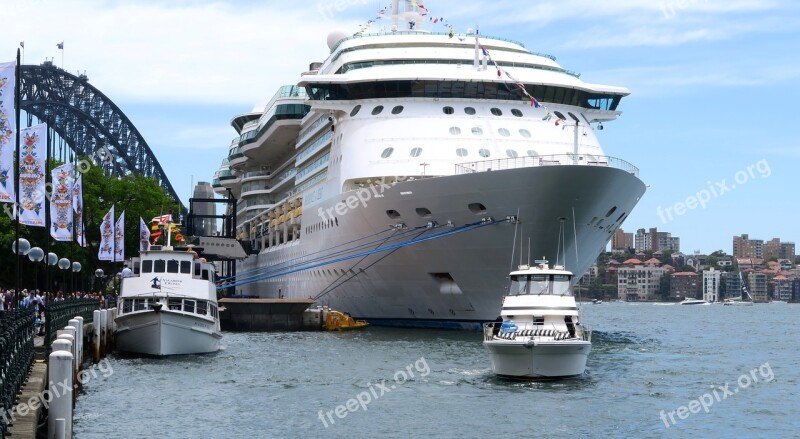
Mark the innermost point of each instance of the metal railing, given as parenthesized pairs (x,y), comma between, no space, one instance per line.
(17,329)
(546,160)
(58,315)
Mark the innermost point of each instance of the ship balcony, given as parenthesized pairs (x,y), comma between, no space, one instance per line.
(258,187)
(546,160)
(236,157)
(276,135)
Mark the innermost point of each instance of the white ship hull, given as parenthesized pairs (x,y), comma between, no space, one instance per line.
(457,281)
(554,359)
(166,333)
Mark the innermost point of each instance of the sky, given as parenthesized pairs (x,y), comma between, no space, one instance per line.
(713,84)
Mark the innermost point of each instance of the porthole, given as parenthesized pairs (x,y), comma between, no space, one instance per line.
(559,115)
(397,110)
(461,152)
(483,152)
(477,208)
(469,110)
(455,131)
(496,112)
(504,132)
(516,112)
(525,133)
(377,110)
(532,153)
(387,152)
(355,110)
(392,214)
(423,212)
(448,110)
(512,154)
(415,152)
(477,131)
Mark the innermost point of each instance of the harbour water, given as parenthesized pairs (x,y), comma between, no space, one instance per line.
(738,363)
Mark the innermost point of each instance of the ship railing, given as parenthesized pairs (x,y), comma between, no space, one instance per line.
(492,329)
(416,33)
(545,160)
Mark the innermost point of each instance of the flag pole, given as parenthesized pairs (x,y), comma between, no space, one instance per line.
(47,216)
(17,94)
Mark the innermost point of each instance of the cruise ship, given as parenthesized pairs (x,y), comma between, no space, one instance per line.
(400,179)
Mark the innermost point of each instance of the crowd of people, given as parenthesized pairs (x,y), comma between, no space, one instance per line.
(38,300)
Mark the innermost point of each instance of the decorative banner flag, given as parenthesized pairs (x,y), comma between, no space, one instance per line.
(144,236)
(106,251)
(8,125)
(77,207)
(33,154)
(119,238)
(61,203)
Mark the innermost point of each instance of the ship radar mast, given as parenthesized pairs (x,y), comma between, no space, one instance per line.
(411,15)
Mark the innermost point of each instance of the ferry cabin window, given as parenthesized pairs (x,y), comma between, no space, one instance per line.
(126,305)
(147,266)
(205,275)
(202,306)
(159,266)
(136,268)
(197,269)
(172,266)
(139,304)
(186,267)
(188,306)
(174,304)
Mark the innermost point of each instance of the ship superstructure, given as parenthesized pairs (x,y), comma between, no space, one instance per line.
(407,129)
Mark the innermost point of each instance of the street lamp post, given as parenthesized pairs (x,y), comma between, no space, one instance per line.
(36,255)
(76,268)
(99,275)
(52,259)
(20,250)
(63,264)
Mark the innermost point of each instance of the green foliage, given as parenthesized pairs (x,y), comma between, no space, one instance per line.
(135,194)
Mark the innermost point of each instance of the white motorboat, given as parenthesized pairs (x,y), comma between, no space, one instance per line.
(541,335)
(736,302)
(691,301)
(778,302)
(169,305)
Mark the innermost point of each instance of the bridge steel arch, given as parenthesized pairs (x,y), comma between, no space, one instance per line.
(89,123)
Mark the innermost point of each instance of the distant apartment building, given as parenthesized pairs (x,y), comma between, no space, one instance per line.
(712,280)
(796,289)
(653,241)
(589,277)
(772,249)
(683,285)
(788,251)
(744,247)
(782,289)
(621,240)
(637,280)
(757,284)
(733,285)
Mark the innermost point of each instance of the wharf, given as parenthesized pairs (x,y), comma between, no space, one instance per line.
(269,315)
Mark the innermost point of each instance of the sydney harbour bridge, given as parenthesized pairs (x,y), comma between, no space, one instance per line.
(89,123)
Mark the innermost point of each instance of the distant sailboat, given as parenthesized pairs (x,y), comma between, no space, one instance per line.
(743,291)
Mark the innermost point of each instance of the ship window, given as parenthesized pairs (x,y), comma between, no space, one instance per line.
(496,111)
(205,275)
(147,266)
(469,110)
(455,131)
(188,306)
(186,267)
(423,212)
(477,131)
(174,304)
(448,110)
(387,152)
(483,152)
(197,269)
(512,154)
(159,266)
(397,110)
(415,152)
(461,152)
(377,110)
(504,132)
(172,266)
(519,285)
(516,112)
(477,208)
(355,110)
(532,153)
(126,306)
(202,307)
(611,211)
(138,304)
(525,133)
(559,115)
(393,214)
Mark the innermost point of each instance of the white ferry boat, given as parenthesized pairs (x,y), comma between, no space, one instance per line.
(402,133)
(541,335)
(169,305)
